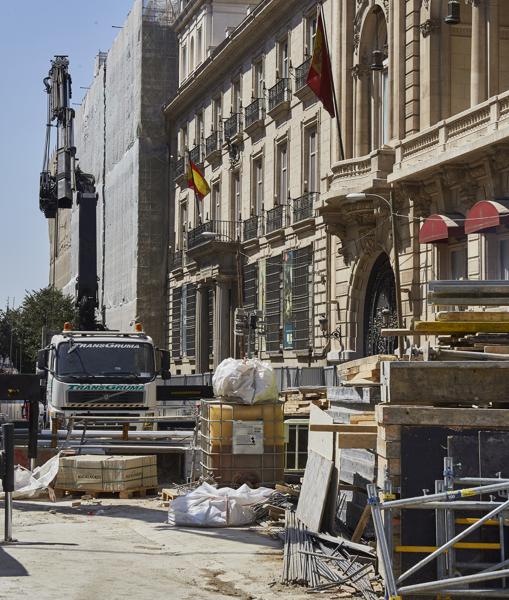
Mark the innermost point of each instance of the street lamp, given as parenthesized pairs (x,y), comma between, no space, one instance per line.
(390,204)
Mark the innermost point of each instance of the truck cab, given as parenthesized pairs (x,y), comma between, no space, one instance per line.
(101,373)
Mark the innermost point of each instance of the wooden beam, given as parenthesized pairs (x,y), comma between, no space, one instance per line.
(450,327)
(357,440)
(484,317)
(361,525)
(489,418)
(343,428)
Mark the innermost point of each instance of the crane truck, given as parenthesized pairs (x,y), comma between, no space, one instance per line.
(88,369)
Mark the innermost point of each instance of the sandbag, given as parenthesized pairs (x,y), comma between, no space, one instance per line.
(207,506)
(246,381)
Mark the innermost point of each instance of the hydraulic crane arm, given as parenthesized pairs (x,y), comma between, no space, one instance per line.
(57,187)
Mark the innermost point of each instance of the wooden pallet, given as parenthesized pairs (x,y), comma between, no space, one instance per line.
(141,492)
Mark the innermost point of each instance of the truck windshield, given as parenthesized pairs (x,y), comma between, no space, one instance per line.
(127,360)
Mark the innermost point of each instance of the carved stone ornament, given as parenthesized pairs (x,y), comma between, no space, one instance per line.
(359,71)
(425,4)
(428,27)
(473,2)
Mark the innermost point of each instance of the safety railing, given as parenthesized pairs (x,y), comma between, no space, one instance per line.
(303,207)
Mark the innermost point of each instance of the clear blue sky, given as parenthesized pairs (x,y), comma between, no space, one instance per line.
(31,32)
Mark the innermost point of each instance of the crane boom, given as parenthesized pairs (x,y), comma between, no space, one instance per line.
(59,186)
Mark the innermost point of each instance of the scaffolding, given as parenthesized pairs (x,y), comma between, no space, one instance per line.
(162,12)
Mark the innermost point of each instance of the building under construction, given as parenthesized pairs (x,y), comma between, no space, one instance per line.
(121,140)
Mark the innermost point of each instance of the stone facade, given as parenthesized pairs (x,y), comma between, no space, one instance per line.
(424,121)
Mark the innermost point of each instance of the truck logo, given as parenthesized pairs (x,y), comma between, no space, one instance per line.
(90,387)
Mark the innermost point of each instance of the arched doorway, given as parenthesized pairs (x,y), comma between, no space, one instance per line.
(380,308)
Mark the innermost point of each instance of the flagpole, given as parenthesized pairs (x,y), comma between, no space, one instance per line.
(335,100)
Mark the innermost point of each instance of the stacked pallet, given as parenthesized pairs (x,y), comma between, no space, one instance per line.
(299,405)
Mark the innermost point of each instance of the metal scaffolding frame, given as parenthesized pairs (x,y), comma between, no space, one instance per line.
(448,498)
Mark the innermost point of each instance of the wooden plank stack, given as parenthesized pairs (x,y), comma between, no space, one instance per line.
(363,370)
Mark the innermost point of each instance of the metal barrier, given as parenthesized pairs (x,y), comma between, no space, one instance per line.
(286,377)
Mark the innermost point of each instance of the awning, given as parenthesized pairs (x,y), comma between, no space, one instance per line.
(486,214)
(437,228)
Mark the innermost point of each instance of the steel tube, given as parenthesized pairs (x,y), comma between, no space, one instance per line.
(117,434)
(451,495)
(458,505)
(474,593)
(453,581)
(8,517)
(450,543)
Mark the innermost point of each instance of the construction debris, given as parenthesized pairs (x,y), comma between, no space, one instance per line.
(323,566)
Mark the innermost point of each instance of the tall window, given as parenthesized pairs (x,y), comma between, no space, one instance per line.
(503,258)
(183,142)
(184,62)
(215,201)
(385,116)
(257,186)
(311,183)
(216,113)
(191,56)
(310,35)
(235,196)
(236,96)
(182,241)
(199,128)
(282,173)
(199,49)
(284,59)
(258,79)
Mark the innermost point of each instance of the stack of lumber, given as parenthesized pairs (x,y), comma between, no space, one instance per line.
(363,371)
(298,404)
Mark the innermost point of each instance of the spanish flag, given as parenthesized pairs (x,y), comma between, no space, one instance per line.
(320,73)
(196,181)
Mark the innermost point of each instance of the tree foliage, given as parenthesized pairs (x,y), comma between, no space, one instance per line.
(21,329)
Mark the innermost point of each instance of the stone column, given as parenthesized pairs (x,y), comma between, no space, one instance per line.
(478,53)
(221,321)
(493,47)
(202,329)
(362,106)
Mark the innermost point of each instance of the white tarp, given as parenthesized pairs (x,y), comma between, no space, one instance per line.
(28,484)
(248,381)
(207,506)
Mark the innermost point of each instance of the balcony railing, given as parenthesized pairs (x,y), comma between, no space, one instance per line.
(279,93)
(212,143)
(275,219)
(218,231)
(232,126)
(179,167)
(195,155)
(176,260)
(255,112)
(251,228)
(303,207)
(301,74)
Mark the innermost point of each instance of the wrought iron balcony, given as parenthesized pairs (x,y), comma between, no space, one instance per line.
(251,228)
(303,207)
(179,167)
(213,231)
(255,112)
(275,218)
(176,260)
(301,74)
(195,155)
(279,94)
(232,126)
(212,144)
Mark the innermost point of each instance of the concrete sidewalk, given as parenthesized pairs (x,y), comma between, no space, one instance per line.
(123,549)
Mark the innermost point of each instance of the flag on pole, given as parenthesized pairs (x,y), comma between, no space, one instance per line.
(320,72)
(196,181)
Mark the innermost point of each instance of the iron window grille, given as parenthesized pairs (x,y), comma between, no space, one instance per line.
(176,260)
(273,303)
(255,111)
(179,167)
(279,93)
(195,155)
(275,218)
(301,74)
(226,231)
(232,126)
(212,143)
(176,308)
(303,207)
(251,228)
